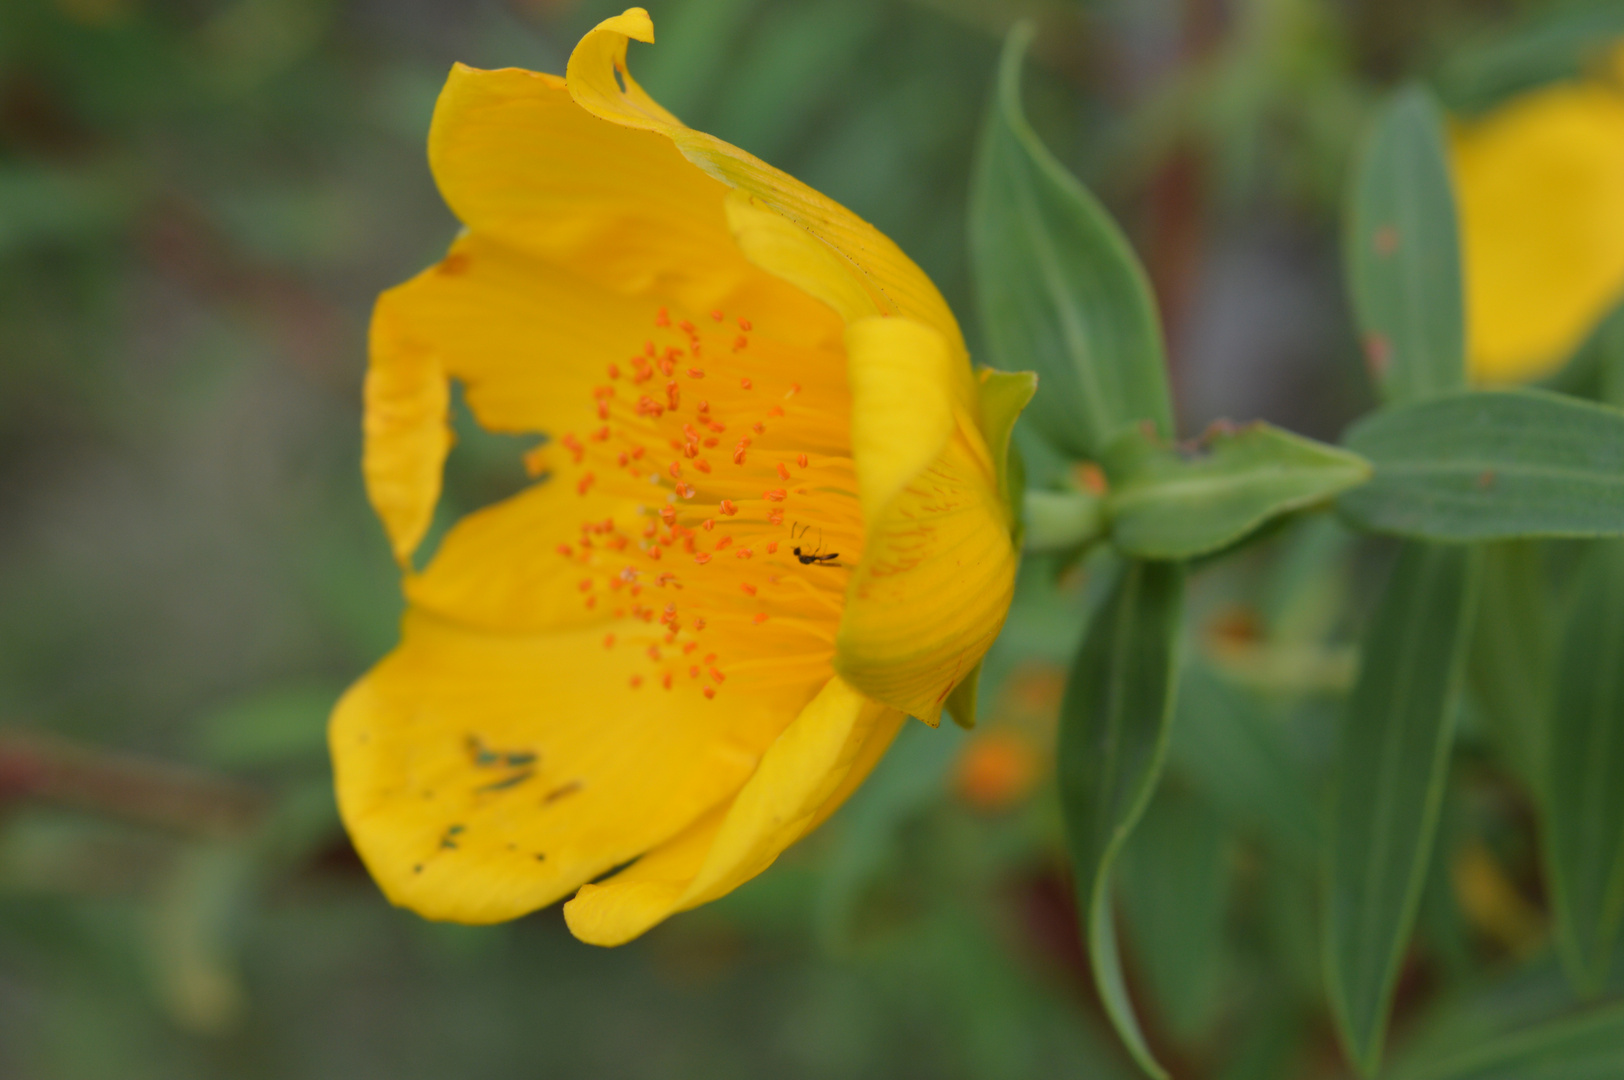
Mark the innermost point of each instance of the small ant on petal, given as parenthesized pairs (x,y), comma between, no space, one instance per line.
(815,556)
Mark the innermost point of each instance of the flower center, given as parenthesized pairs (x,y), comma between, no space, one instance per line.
(732,450)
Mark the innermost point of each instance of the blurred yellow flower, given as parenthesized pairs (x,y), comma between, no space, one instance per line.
(1540,182)
(772,521)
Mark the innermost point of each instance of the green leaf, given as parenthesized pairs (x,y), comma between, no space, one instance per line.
(1588,1047)
(1168,503)
(1389,781)
(1113,738)
(1224,744)
(1058,286)
(1584,779)
(1403,253)
(1174,884)
(1512,649)
(1491,466)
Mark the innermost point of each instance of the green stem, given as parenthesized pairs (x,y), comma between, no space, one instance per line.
(1062,520)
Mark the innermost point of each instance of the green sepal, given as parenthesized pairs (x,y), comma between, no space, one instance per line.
(1179,502)
(961,703)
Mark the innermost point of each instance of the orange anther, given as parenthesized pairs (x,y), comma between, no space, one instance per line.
(665,680)
(586,482)
(586,584)
(724,543)
(716,427)
(636,681)
(717,675)
(662,318)
(676,470)
(591,601)
(608,641)
(673,396)
(710,658)
(702,465)
(745,553)
(717,315)
(699,624)
(654,652)
(702,408)
(794,388)
(690,647)
(654,551)
(602,434)
(685,490)
(783,470)
(775,411)
(702,558)
(614,371)
(708,524)
(774,495)
(690,449)
(761,617)
(728,508)
(711,440)
(668,514)
(693,669)
(759,428)
(775,517)
(738,455)
(623,459)
(740,342)
(748,588)
(637,453)
(744,324)
(710,691)
(686,326)
(800,459)
(745,383)
(565,550)
(772,547)
(695,373)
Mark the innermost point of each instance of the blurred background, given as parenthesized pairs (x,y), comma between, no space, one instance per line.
(199,200)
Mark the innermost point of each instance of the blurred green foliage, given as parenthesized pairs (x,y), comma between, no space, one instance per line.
(199,200)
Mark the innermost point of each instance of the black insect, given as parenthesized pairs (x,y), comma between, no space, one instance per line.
(815,556)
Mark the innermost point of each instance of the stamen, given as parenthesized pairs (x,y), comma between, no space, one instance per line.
(783,470)
(800,459)
(608,641)
(774,495)
(728,508)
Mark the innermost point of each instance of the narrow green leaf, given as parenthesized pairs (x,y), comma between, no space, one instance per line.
(1512,649)
(1584,778)
(1167,502)
(1113,738)
(1588,1047)
(1389,782)
(1002,395)
(1173,883)
(1058,286)
(1225,745)
(1491,466)
(1403,253)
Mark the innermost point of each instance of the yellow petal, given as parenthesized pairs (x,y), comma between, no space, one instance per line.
(518,161)
(500,569)
(405,430)
(1541,190)
(483,775)
(906,386)
(529,339)
(597,70)
(775,244)
(812,767)
(938,568)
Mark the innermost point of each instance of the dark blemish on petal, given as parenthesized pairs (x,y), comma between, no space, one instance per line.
(418,869)
(620,80)
(507,781)
(540,857)
(478,752)
(455,829)
(520,757)
(559,792)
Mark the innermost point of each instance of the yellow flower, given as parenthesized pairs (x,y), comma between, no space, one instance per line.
(773,520)
(1540,181)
